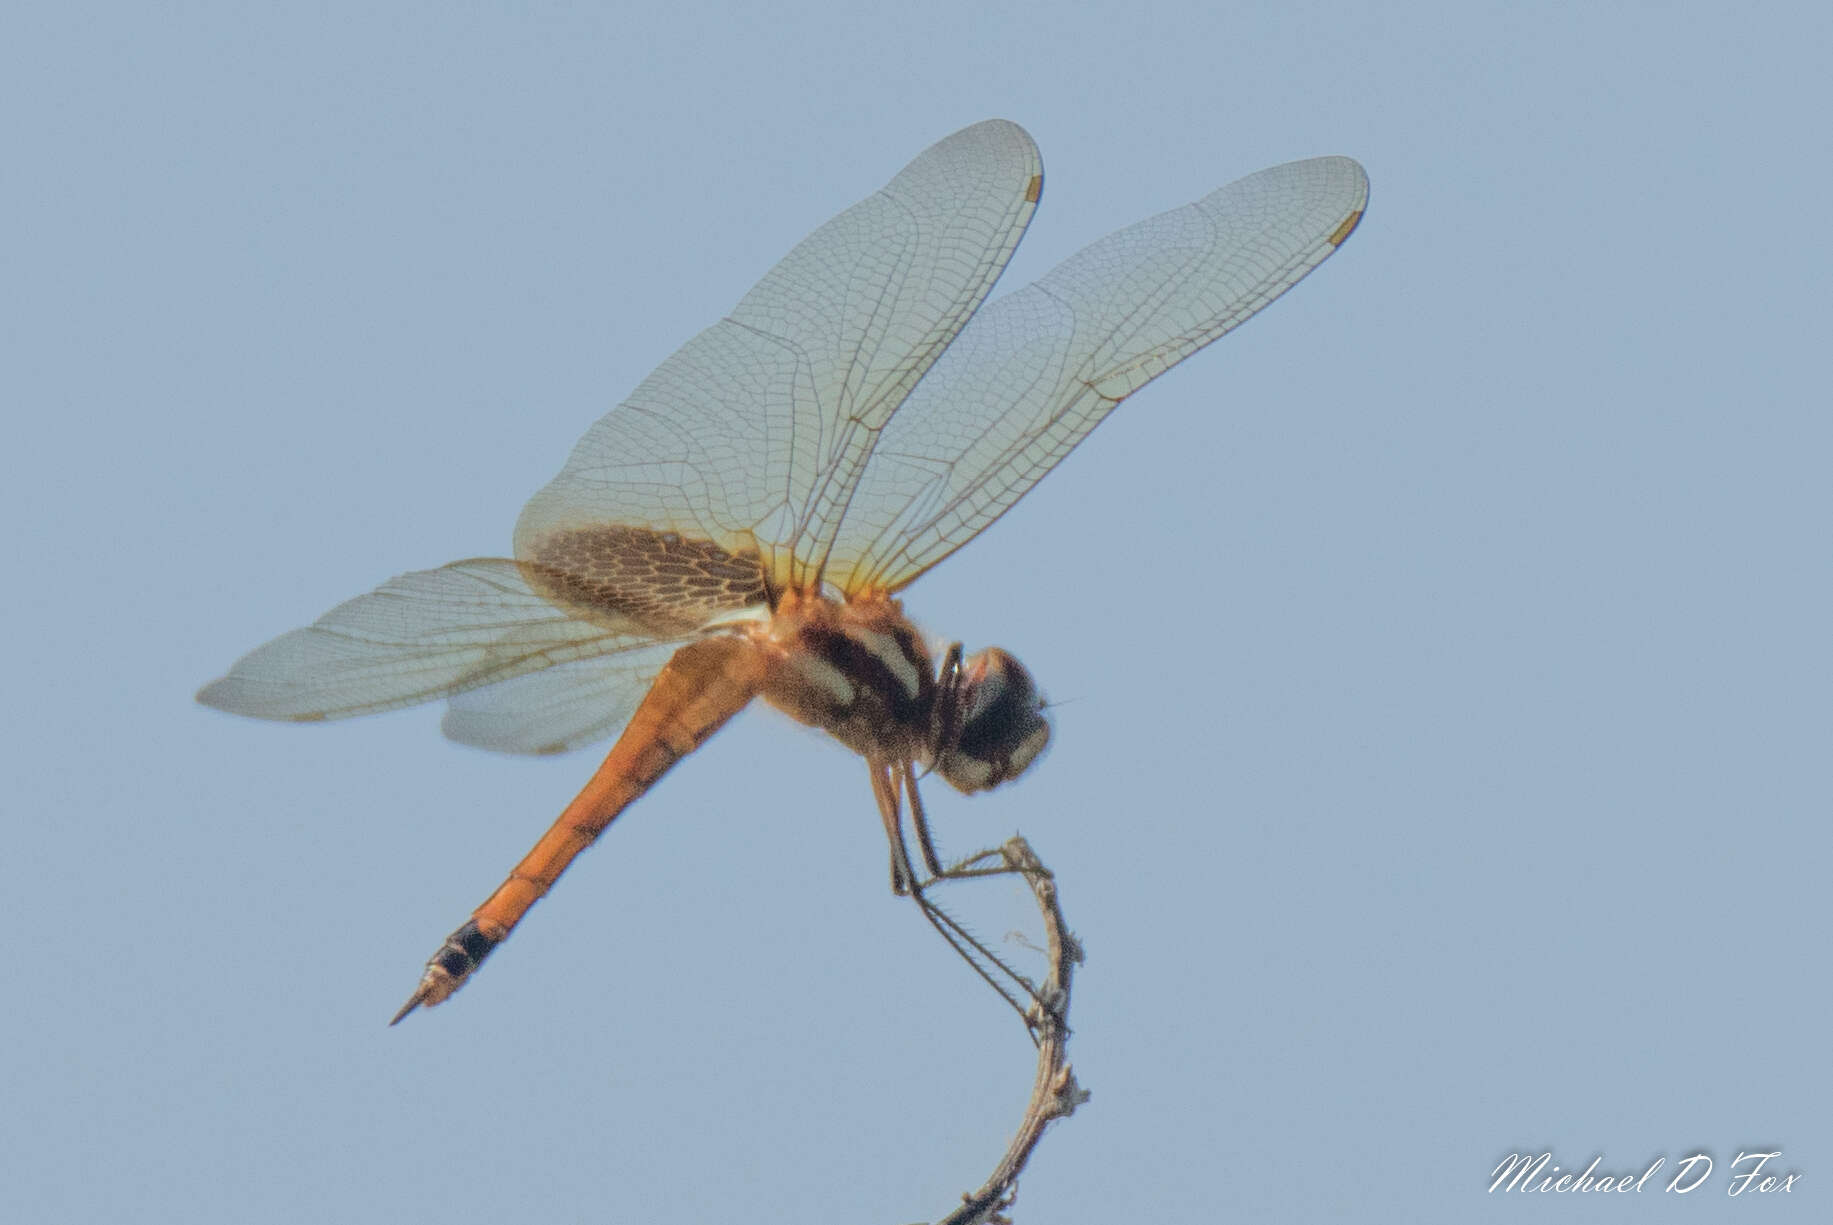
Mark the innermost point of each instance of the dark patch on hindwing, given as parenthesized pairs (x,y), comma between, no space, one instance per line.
(666,583)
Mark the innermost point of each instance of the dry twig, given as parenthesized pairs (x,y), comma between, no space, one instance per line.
(1054,1091)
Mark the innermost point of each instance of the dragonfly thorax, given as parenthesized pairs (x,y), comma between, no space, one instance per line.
(861,671)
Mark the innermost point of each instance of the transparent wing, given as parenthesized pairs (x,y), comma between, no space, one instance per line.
(752,436)
(1038,369)
(436,633)
(563,707)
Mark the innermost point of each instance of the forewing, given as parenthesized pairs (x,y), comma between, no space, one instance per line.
(431,634)
(753,435)
(1038,369)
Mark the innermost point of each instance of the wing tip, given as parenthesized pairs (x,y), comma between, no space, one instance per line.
(224,694)
(1010,144)
(234,695)
(1341,234)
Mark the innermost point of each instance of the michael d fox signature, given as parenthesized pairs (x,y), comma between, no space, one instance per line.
(1747,1173)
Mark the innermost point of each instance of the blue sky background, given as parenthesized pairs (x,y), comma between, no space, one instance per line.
(1441,768)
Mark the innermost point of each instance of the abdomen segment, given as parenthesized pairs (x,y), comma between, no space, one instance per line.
(702,686)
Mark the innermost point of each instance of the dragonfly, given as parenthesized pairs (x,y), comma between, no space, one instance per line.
(742,525)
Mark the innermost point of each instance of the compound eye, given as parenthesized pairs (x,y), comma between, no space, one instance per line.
(999,723)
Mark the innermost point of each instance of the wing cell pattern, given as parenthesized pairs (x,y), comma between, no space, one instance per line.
(1037,370)
(432,634)
(567,706)
(753,435)
(826,430)
(667,584)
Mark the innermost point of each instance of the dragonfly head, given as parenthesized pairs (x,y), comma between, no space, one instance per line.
(989,722)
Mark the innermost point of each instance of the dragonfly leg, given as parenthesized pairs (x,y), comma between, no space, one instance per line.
(1016,989)
(919,821)
(885,791)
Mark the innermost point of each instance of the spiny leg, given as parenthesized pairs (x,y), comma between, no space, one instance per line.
(919,821)
(885,791)
(951,929)
(893,780)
